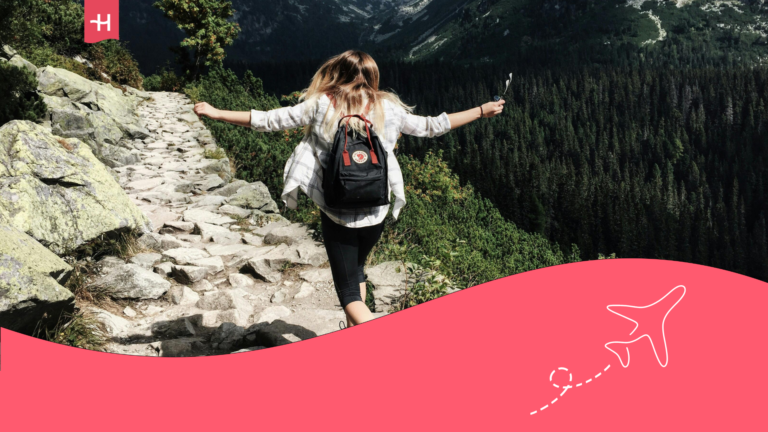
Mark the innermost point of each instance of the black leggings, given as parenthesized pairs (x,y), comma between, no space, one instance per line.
(348,249)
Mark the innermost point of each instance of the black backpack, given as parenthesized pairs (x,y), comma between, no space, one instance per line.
(356,173)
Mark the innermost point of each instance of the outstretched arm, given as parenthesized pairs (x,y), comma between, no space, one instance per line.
(491,109)
(239,118)
(263,121)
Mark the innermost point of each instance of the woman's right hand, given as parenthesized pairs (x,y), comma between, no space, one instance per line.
(492,109)
(205,109)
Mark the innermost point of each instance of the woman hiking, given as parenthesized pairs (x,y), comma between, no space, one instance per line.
(347,84)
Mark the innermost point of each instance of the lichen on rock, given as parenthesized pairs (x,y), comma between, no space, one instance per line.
(30,282)
(56,190)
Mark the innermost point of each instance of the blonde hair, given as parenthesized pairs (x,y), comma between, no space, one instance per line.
(348,79)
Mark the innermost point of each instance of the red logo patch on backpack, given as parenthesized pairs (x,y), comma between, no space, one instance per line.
(360,157)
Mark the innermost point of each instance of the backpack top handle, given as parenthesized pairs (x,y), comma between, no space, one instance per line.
(347,161)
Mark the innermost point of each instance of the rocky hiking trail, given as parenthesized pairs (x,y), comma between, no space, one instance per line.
(197,262)
(223,271)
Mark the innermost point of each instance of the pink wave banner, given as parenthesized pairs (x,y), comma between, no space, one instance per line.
(630,345)
(102,20)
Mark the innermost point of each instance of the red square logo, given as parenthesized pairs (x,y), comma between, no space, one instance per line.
(102,20)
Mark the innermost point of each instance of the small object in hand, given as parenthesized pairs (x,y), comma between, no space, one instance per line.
(498,98)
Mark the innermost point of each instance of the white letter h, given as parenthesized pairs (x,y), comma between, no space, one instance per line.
(99,22)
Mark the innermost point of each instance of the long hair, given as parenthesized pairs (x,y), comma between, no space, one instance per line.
(350,78)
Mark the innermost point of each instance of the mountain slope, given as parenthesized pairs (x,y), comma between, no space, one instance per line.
(493,29)
(469,30)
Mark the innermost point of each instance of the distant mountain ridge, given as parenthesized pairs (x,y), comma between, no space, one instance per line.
(471,30)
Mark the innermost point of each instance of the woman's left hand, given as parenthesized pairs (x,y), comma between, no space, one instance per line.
(204,109)
(492,109)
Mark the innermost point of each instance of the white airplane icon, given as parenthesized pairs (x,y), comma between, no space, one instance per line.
(649,327)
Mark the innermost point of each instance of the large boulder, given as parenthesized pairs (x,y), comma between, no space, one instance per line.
(30,283)
(254,196)
(94,128)
(89,96)
(56,191)
(131,281)
(389,283)
(15,59)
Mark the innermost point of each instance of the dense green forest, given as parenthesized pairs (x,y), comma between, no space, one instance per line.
(646,158)
(441,216)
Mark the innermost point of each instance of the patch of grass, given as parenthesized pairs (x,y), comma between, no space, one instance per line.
(214,154)
(370,301)
(80,330)
(78,283)
(120,244)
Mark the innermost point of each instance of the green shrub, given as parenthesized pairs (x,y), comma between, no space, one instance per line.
(439,211)
(20,100)
(214,154)
(113,59)
(166,80)
(79,330)
(50,33)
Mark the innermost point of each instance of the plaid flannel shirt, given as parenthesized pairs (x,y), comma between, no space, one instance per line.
(304,169)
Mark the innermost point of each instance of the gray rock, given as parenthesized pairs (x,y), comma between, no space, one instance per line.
(176,293)
(177,328)
(169,242)
(210,182)
(278,297)
(188,117)
(207,231)
(203,286)
(179,347)
(311,253)
(211,200)
(305,291)
(146,260)
(226,300)
(15,59)
(180,226)
(30,282)
(235,212)
(317,275)
(130,313)
(231,188)
(261,269)
(114,325)
(255,196)
(273,313)
(253,240)
(188,275)
(57,192)
(183,256)
(133,282)
(228,336)
(227,250)
(388,280)
(289,235)
(228,238)
(107,264)
(240,281)
(198,216)
(182,295)
(280,327)
(213,264)
(163,269)
(150,241)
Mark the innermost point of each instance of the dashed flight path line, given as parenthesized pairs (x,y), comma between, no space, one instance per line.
(567,386)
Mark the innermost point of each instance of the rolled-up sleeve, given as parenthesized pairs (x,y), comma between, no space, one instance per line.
(425,126)
(281,118)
